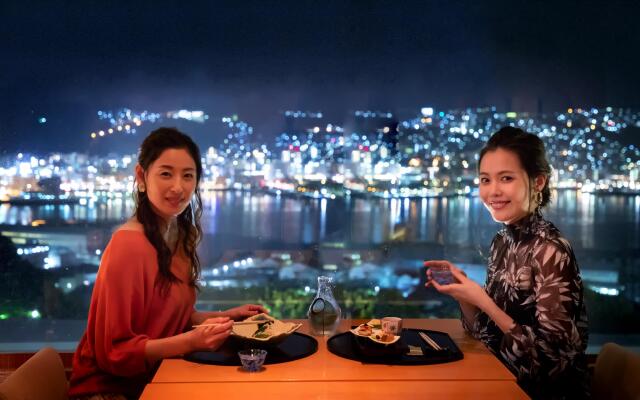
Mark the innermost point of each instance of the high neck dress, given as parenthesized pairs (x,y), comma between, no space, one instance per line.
(533,276)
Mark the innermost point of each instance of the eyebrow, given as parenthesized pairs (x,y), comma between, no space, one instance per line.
(171,167)
(499,173)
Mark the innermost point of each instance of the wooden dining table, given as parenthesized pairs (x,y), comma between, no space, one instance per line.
(324,375)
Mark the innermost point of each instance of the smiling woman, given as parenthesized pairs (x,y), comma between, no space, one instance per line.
(143,300)
(531,312)
(168,202)
(169,182)
(505,188)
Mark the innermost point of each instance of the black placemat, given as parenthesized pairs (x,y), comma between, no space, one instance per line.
(294,347)
(350,346)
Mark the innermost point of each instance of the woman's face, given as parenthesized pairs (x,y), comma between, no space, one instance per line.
(504,186)
(170,182)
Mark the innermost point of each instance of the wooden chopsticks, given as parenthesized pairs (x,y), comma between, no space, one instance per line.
(429,341)
(235,323)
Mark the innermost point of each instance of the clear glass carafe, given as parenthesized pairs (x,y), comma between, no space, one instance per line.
(324,311)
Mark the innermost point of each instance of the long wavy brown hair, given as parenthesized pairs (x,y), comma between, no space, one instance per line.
(188,222)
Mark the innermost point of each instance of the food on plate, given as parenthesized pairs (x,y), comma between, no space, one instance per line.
(373,330)
(375,323)
(364,330)
(268,329)
(263,330)
(384,337)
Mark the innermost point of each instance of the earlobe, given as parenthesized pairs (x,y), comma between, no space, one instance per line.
(139,174)
(541,180)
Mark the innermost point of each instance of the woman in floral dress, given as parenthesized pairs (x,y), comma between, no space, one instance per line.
(531,311)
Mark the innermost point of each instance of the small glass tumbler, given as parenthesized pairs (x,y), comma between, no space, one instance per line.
(252,359)
(442,274)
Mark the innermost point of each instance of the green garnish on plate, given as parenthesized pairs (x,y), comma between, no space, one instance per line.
(261,331)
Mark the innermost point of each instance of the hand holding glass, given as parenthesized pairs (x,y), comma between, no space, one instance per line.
(441,274)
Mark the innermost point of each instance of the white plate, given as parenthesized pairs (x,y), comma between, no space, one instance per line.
(372,338)
(279,330)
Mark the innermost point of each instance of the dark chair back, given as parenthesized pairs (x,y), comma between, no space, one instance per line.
(616,375)
(41,377)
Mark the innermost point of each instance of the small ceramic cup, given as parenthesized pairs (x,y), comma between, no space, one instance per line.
(392,325)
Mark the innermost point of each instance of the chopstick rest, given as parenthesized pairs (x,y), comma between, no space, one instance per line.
(415,351)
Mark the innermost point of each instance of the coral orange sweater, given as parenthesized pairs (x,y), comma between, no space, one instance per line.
(126,311)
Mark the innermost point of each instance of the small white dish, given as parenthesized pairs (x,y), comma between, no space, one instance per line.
(379,333)
(373,336)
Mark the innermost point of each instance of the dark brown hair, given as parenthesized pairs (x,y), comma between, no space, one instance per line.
(188,222)
(530,151)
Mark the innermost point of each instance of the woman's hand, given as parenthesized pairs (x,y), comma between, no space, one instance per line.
(462,289)
(210,337)
(244,311)
(470,295)
(441,265)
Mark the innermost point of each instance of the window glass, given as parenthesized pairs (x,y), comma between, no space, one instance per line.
(337,140)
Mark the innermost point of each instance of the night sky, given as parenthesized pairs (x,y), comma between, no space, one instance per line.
(66,60)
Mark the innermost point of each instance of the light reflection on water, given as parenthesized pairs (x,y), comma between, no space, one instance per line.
(603,223)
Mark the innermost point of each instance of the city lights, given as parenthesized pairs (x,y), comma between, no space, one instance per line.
(585,150)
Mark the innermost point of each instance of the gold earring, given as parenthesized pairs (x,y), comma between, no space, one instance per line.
(141,188)
(539,198)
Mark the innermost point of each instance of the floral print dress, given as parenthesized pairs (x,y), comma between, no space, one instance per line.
(533,276)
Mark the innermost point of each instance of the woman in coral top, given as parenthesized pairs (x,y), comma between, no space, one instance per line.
(142,305)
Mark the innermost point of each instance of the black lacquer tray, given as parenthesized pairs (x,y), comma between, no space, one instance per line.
(294,347)
(362,349)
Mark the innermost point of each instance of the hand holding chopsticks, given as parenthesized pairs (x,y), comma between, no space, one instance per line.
(235,323)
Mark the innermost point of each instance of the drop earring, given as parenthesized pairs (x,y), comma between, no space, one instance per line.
(141,188)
